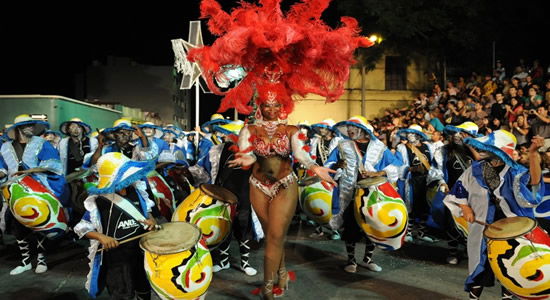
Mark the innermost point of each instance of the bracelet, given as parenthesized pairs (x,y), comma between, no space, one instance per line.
(310,165)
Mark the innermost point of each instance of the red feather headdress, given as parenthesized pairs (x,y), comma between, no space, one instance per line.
(283,54)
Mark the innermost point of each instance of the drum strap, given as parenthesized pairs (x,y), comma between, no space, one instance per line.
(460,161)
(420,155)
(358,152)
(126,206)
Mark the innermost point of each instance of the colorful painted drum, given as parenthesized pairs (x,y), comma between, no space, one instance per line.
(164,197)
(212,209)
(381,213)
(461,225)
(177,261)
(34,206)
(519,254)
(316,199)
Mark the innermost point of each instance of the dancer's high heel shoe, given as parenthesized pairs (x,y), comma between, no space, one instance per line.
(284,278)
(268,291)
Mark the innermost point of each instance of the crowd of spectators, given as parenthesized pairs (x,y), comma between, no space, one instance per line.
(517,102)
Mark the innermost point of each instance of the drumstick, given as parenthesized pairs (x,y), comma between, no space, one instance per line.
(481,222)
(157,227)
(485,224)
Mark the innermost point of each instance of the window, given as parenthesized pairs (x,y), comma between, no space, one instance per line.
(396,73)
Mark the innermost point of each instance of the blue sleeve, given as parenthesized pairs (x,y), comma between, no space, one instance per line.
(3,169)
(49,159)
(180,156)
(162,144)
(3,165)
(399,157)
(204,162)
(388,158)
(204,147)
(332,158)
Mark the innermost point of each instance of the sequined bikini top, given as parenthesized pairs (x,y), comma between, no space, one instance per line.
(279,145)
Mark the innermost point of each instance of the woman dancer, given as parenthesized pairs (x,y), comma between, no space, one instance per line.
(269,56)
(273,189)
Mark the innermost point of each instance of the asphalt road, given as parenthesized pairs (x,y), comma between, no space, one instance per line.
(416,271)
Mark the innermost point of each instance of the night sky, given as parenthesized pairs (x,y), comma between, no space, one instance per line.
(41,53)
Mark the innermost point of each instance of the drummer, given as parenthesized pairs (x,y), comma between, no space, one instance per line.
(235,180)
(450,161)
(417,155)
(209,136)
(114,211)
(52,136)
(189,146)
(326,139)
(207,129)
(27,153)
(154,134)
(365,156)
(175,152)
(121,134)
(493,188)
(76,144)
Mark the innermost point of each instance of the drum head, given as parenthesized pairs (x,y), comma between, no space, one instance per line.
(509,228)
(219,193)
(174,237)
(371,181)
(309,181)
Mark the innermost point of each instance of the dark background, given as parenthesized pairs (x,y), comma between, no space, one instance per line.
(42,46)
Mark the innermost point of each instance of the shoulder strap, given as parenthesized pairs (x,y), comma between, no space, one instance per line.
(420,155)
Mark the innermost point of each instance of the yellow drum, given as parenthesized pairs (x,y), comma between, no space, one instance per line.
(519,255)
(462,225)
(177,261)
(211,208)
(381,213)
(316,199)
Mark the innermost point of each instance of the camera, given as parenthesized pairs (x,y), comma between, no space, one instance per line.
(532,111)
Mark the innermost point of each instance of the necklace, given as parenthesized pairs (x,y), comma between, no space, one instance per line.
(323,150)
(270,126)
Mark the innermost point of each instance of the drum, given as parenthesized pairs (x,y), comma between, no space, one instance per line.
(519,255)
(178,181)
(177,261)
(316,199)
(79,182)
(462,225)
(34,206)
(381,213)
(164,197)
(212,209)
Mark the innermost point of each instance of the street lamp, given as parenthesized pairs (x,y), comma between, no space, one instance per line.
(375,39)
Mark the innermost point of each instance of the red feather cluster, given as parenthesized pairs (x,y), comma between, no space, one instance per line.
(234,138)
(308,55)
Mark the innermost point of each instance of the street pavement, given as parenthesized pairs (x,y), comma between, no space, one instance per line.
(416,271)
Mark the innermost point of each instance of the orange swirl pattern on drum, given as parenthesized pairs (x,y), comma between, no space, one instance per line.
(316,202)
(522,264)
(36,208)
(212,216)
(183,275)
(382,214)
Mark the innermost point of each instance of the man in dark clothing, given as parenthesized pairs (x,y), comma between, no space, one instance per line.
(498,110)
